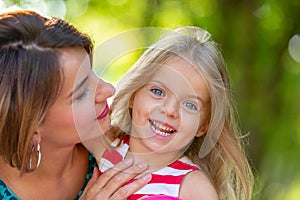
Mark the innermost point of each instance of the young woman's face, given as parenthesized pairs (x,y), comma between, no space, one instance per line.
(80,112)
(171,109)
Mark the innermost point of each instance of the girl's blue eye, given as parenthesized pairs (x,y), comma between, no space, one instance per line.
(157,92)
(190,106)
(81,95)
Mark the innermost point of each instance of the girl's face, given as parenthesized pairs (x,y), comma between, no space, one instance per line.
(170,110)
(80,111)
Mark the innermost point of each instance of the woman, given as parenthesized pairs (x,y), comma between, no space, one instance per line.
(48,97)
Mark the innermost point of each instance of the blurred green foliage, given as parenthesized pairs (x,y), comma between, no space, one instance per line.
(261,44)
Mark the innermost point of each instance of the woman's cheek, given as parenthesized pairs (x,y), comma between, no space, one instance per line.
(83,113)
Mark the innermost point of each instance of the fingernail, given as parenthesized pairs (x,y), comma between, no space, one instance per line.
(147,177)
(128,161)
(142,165)
(95,172)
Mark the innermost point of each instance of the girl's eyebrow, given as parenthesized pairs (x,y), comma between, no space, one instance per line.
(78,86)
(200,99)
(163,84)
(156,82)
(194,96)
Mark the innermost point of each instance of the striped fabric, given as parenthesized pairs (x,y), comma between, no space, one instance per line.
(165,182)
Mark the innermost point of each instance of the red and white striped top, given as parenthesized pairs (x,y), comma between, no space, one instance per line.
(165,181)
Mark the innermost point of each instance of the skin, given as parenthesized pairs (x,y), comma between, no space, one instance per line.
(176,101)
(60,136)
(81,105)
(174,98)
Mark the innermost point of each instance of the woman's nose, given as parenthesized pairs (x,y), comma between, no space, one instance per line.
(104,90)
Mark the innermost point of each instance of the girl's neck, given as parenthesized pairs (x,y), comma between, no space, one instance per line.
(156,160)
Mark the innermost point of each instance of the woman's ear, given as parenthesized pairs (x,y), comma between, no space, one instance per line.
(36,138)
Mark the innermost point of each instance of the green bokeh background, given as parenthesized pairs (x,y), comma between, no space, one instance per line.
(260,40)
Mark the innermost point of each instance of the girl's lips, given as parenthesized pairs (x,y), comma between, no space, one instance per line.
(104,112)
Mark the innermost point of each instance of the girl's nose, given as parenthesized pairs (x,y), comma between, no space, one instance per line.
(171,107)
(104,90)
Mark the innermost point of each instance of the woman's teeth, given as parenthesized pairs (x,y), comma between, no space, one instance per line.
(161,129)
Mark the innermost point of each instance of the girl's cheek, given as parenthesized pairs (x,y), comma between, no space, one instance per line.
(189,120)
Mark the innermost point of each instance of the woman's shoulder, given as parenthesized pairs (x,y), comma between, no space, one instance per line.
(197,185)
(6,193)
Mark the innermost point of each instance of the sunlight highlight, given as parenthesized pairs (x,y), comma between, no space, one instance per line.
(294,48)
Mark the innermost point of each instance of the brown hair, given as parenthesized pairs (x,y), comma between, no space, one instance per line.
(30,77)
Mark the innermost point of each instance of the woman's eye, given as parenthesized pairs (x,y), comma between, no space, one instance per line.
(190,106)
(82,94)
(157,92)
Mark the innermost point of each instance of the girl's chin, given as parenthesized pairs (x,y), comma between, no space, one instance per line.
(156,146)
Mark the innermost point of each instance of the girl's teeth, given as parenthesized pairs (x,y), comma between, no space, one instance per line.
(160,132)
(160,129)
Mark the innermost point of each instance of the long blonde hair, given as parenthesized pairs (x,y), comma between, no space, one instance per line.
(219,152)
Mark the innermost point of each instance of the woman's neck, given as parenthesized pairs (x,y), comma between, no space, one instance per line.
(56,162)
(56,172)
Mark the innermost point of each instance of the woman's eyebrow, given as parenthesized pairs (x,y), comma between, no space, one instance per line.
(78,86)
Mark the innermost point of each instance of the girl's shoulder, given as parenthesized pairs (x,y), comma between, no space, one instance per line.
(197,185)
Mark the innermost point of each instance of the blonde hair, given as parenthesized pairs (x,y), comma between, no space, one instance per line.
(219,152)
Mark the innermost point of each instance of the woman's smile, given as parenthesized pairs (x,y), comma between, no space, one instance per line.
(104,112)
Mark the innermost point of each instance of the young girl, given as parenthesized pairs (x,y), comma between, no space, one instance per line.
(176,105)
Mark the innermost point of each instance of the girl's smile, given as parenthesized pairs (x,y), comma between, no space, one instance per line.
(161,129)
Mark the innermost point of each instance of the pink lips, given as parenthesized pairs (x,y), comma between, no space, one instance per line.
(104,112)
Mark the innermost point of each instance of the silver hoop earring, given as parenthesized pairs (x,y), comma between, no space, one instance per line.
(38,159)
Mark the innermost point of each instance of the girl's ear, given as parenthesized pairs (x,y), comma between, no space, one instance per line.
(202,130)
(131,101)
